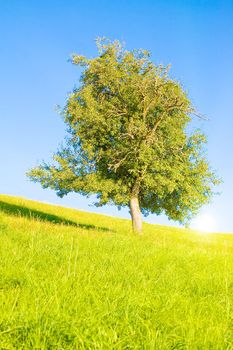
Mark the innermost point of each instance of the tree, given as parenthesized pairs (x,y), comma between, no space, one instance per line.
(128,141)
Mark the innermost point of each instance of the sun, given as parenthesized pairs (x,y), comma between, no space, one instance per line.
(204,223)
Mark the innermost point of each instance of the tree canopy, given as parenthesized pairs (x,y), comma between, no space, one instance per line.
(127,139)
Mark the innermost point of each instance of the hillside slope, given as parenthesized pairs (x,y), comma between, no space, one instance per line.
(76,280)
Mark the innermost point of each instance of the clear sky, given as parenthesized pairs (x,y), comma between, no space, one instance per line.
(36,39)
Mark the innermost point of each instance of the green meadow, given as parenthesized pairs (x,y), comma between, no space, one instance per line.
(76,280)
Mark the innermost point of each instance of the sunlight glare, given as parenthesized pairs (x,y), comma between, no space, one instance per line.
(204,223)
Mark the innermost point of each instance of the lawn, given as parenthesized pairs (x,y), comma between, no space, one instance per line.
(76,280)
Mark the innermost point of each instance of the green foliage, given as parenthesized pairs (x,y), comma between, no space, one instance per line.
(96,286)
(127,136)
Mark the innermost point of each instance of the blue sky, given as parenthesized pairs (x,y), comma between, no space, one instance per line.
(37,38)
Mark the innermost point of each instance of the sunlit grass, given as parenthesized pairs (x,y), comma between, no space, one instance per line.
(75,280)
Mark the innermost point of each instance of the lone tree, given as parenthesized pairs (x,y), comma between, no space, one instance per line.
(128,141)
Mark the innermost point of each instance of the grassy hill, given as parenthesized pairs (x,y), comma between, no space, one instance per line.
(76,280)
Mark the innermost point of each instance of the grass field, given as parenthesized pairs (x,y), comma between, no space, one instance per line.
(75,280)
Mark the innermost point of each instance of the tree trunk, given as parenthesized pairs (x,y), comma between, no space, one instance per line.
(135,214)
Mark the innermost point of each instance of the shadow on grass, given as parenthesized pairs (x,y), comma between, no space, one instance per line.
(21,211)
